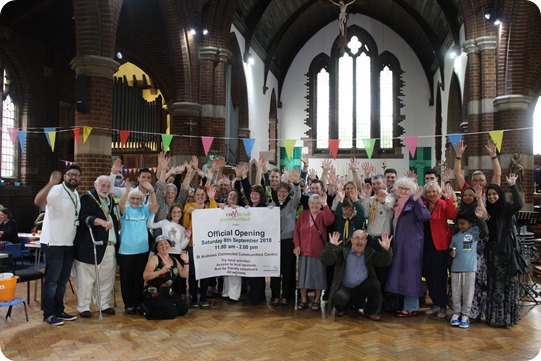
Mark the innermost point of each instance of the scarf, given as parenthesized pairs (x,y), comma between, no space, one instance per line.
(346,227)
(373,210)
(400,204)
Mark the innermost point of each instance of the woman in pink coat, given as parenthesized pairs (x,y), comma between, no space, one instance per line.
(309,239)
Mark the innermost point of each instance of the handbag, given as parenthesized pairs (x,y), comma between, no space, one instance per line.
(518,263)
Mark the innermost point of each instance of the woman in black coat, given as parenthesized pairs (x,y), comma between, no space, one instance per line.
(503,284)
(8,227)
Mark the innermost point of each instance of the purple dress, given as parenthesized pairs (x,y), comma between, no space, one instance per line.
(405,275)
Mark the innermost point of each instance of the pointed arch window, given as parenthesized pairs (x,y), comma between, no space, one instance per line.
(355,96)
(9,120)
(537,127)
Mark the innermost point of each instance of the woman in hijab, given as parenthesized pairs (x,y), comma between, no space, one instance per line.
(503,283)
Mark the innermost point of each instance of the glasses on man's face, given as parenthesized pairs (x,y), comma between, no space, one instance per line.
(136,199)
(73,175)
(357,238)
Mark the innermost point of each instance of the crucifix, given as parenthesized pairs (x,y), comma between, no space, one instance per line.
(342,17)
(191,125)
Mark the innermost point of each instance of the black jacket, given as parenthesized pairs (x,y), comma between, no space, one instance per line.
(90,210)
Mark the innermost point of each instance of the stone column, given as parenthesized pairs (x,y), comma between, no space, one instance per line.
(94,155)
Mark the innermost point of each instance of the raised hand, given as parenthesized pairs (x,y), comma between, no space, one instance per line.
(411,174)
(184,256)
(385,241)
(353,164)
(448,191)
(511,179)
(418,193)
(382,195)
(304,160)
(295,175)
(341,194)
(55,177)
(312,174)
(211,192)
(117,166)
(368,170)
(446,175)
(460,148)
(479,213)
(334,238)
(326,164)
(323,199)
(286,173)
(478,189)
(491,147)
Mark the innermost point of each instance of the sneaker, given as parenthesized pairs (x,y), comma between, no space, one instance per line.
(455,320)
(432,311)
(442,313)
(194,305)
(54,321)
(66,317)
(204,304)
(465,322)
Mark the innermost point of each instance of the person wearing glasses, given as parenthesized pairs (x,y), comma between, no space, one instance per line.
(62,208)
(478,177)
(134,248)
(410,214)
(355,281)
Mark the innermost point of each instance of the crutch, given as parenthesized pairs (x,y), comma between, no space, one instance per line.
(94,243)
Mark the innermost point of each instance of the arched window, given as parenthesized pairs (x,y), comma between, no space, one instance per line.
(354,95)
(9,120)
(537,127)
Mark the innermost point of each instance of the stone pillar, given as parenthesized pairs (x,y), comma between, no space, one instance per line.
(185,119)
(481,92)
(94,156)
(512,112)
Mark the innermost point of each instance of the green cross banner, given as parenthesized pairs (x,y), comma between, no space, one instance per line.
(421,162)
(294,162)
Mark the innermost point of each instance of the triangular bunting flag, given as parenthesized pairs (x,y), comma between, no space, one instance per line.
(13,134)
(369,146)
(248,145)
(50,134)
(86,133)
(207,142)
(497,137)
(411,143)
(124,135)
(455,138)
(77,135)
(166,140)
(21,134)
(289,144)
(333,147)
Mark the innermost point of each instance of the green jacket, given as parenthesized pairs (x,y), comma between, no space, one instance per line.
(337,256)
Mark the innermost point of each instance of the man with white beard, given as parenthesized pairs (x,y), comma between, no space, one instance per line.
(98,210)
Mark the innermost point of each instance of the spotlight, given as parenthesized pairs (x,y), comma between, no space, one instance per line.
(248,58)
(497,22)
(205,31)
(193,32)
(488,15)
(119,55)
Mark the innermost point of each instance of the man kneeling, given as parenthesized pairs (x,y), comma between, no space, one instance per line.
(355,280)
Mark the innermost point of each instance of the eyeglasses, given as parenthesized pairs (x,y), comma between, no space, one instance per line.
(136,198)
(73,175)
(358,238)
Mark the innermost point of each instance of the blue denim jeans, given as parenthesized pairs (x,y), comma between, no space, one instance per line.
(58,262)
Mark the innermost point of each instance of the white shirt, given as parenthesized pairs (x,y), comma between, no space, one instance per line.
(61,216)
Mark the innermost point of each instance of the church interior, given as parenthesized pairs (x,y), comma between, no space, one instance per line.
(391,82)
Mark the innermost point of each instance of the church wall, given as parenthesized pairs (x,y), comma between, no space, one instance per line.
(419,115)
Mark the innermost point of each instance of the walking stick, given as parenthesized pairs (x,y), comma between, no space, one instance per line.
(94,243)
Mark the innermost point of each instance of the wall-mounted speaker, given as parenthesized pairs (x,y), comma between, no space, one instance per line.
(81,91)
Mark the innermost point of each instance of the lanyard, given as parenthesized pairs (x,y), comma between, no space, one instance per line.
(73,200)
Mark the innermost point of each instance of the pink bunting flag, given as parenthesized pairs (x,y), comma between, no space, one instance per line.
(13,132)
(411,143)
(207,142)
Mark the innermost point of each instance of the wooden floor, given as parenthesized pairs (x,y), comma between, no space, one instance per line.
(234,332)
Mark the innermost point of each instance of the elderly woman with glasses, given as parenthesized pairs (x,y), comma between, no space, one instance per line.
(410,214)
(134,248)
(309,238)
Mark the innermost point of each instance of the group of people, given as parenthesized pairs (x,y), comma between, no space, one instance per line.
(365,243)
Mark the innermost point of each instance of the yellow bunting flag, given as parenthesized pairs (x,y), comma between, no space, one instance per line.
(497,137)
(86,133)
(289,144)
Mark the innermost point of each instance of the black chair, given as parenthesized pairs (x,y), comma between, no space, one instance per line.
(25,275)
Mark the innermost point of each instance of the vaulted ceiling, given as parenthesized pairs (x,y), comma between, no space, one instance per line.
(277,29)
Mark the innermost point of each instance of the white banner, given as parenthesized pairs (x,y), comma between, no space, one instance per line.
(236,242)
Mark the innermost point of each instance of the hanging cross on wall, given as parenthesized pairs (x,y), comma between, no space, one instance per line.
(191,125)
(421,162)
(342,19)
